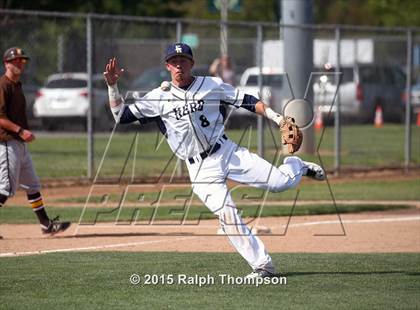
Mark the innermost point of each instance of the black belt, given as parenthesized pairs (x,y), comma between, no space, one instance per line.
(208,152)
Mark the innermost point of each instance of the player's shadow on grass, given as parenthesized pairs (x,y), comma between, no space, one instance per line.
(297,274)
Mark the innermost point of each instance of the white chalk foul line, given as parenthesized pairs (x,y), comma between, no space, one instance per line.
(379,220)
(89,248)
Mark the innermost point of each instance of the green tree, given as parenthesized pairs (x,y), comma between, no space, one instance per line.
(389,13)
(168,8)
(251,10)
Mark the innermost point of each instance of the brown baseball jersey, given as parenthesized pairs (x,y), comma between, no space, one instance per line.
(12,106)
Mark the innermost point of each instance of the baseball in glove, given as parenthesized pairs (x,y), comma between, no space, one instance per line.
(290,134)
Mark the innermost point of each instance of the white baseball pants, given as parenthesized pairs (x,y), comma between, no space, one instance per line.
(236,163)
(16,168)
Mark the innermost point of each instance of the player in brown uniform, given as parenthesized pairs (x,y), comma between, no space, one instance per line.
(16,166)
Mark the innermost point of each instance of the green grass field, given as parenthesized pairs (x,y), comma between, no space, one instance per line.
(65,155)
(100,280)
(314,281)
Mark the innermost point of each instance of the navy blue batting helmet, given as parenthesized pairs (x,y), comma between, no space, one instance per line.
(178,49)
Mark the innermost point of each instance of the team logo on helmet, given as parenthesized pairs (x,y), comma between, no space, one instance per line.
(178,48)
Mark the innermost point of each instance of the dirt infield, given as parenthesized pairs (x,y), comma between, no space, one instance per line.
(356,233)
(392,231)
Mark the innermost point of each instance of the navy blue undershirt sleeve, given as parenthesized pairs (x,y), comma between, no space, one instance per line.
(249,102)
(127,116)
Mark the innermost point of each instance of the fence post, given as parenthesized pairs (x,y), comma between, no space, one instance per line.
(89,69)
(298,62)
(179,163)
(178,31)
(407,146)
(260,123)
(337,125)
(224,27)
(60,53)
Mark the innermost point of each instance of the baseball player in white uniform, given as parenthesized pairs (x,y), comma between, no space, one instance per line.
(190,112)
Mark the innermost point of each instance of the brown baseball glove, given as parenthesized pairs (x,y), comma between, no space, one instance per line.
(290,134)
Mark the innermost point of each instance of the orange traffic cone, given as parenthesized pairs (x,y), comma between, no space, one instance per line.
(379,119)
(319,123)
(418,119)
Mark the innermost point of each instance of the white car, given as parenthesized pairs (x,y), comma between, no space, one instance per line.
(362,88)
(64,99)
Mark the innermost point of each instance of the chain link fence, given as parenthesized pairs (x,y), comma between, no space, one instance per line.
(369,84)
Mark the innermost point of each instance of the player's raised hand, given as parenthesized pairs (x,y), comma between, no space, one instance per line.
(112,73)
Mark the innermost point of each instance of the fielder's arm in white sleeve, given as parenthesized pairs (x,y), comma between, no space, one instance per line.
(262,109)
(255,105)
(122,112)
(115,102)
(238,99)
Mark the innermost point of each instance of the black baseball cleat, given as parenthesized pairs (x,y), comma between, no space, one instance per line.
(55,226)
(314,171)
(261,273)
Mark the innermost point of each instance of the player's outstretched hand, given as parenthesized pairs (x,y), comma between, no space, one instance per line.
(112,73)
